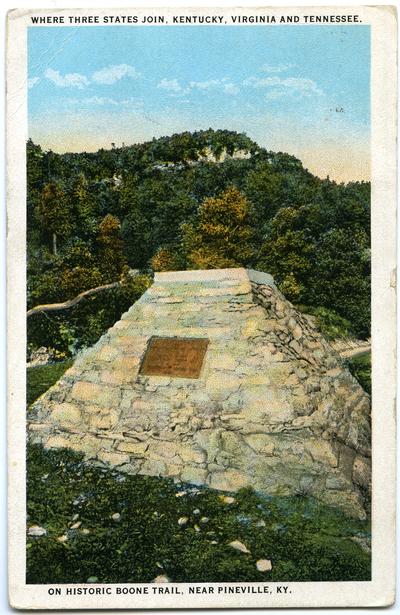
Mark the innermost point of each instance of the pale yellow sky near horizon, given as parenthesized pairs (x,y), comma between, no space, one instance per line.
(325,145)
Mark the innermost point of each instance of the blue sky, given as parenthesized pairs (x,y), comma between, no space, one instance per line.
(300,89)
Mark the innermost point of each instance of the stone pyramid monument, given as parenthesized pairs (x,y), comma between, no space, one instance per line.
(213,377)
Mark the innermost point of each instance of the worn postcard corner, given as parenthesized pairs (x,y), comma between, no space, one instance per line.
(201,307)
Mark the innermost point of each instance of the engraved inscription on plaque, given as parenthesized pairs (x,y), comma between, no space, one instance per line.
(181,357)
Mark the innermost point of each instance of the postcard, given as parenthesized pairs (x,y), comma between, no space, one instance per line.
(201,307)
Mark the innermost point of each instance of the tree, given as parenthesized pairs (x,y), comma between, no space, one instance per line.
(136,232)
(53,213)
(167,259)
(288,257)
(340,277)
(221,236)
(34,181)
(82,206)
(264,188)
(287,254)
(34,168)
(110,248)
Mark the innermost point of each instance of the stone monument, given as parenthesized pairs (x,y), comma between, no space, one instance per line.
(214,378)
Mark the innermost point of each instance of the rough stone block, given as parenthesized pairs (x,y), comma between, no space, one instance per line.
(102,420)
(250,328)
(113,377)
(322,452)
(233,404)
(134,448)
(230,480)
(121,325)
(126,364)
(362,471)
(133,345)
(66,415)
(261,443)
(223,361)
(91,444)
(219,388)
(193,475)
(107,353)
(231,444)
(257,379)
(336,482)
(170,300)
(174,470)
(39,427)
(198,398)
(153,467)
(189,454)
(113,458)
(58,442)
(90,392)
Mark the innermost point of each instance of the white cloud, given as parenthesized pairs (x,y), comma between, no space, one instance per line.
(104,101)
(100,100)
(32,82)
(213,84)
(70,80)
(113,73)
(175,88)
(105,76)
(291,85)
(257,82)
(231,88)
(304,86)
(279,68)
(133,103)
(275,94)
(205,85)
(171,85)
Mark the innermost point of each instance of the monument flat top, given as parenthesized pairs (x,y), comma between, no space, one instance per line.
(239,274)
(171,356)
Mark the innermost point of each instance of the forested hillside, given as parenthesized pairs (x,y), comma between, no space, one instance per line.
(193,200)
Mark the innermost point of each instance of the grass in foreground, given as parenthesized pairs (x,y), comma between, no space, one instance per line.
(107,527)
(42,377)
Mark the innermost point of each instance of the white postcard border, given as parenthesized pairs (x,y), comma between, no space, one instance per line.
(379,591)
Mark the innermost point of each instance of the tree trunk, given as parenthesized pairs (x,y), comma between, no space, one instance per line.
(54,244)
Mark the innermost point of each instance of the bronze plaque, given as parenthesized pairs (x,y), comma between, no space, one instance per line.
(181,357)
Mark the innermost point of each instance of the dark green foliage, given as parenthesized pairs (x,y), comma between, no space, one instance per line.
(110,249)
(313,235)
(341,276)
(305,540)
(42,377)
(360,367)
(321,259)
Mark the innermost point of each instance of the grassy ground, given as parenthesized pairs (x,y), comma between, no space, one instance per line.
(109,527)
(112,528)
(360,367)
(42,377)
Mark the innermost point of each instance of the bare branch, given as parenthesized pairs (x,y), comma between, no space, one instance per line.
(55,307)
